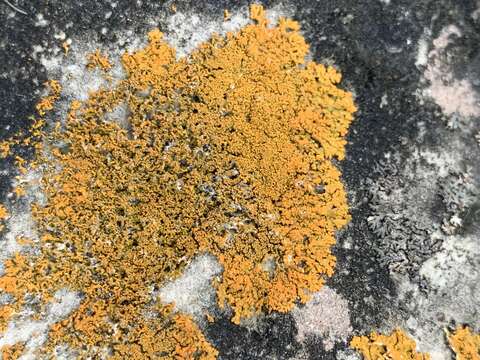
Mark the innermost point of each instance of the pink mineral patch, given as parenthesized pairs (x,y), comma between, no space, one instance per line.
(454,96)
(326,316)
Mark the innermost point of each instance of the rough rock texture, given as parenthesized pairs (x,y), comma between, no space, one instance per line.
(410,256)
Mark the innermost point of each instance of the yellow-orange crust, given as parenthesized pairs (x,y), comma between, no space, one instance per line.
(47,103)
(12,352)
(98,60)
(228,151)
(465,343)
(396,346)
(3,212)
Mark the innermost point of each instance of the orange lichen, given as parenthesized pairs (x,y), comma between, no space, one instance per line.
(226,15)
(47,103)
(97,59)
(396,346)
(464,343)
(6,311)
(229,152)
(3,212)
(4,149)
(3,216)
(12,352)
(66,47)
(19,191)
(21,164)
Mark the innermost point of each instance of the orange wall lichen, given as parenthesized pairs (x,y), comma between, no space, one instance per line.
(3,212)
(98,60)
(47,103)
(12,352)
(3,216)
(464,343)
(228,151)
(396,346)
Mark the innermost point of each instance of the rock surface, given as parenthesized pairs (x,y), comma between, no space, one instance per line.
(410,257)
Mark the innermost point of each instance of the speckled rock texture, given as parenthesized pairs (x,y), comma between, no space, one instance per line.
(410,256)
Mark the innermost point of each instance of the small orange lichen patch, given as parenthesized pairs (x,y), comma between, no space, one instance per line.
(19,191)
(396,346)
(226,15)
(66,47)
(12,352)
(3,212)
(465,344)
(21,164)
(6,311)
(258,14)
(96,59)
(227,152)
(47,103)
(4,149)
